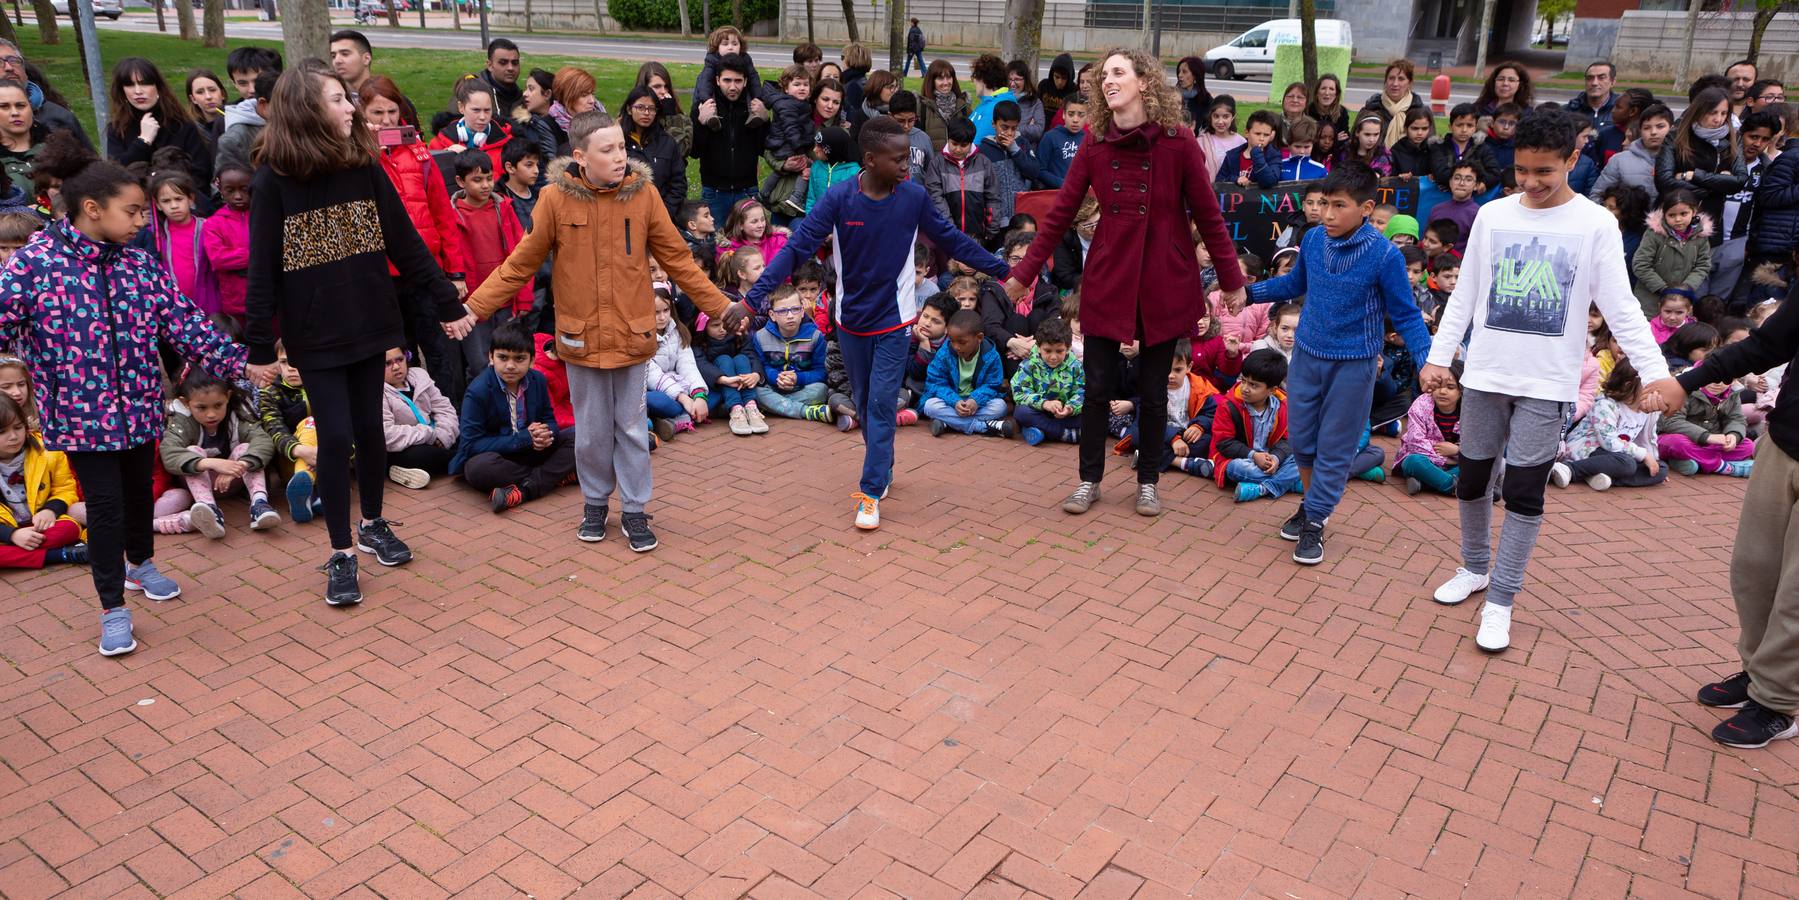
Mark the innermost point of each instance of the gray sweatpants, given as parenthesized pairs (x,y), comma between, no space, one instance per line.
(1528,431)
(612,434)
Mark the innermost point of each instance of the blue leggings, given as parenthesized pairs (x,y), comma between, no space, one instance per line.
(725,397)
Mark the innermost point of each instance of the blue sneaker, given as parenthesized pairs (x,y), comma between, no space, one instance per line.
(1247,491)
(1032,436)
(153,583)
(1740,469)
(1685,466)
(115,632)
(299,497)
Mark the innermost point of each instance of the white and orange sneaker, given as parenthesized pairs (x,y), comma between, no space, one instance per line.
(868,511)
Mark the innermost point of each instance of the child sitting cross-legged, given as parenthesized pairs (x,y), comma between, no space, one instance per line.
(840,404)
(1249,432)
(677,398)
(1430,451)
(1709,434)
(930,332)
(510,446)
(285,414)
(1614,443)
(732,369)
(1050,387)
(965,386)
(211,438)
(419,421)
(1192,405)
(793,357)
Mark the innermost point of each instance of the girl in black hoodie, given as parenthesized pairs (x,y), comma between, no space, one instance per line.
(1411,154)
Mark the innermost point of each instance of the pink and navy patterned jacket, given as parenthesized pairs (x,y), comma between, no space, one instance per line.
(87,317)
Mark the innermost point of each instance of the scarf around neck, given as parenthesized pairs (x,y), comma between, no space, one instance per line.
(1396,110)
(560,113)
(1713,136)
(946,103)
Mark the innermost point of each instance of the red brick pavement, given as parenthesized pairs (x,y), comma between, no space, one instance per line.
(985,698)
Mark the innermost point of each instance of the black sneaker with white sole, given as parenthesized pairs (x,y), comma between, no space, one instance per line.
(593,524)
(1753,727)
(1731,693)
(637,530)
(1295,524)
(342,586)
(1310,551)
(378,538)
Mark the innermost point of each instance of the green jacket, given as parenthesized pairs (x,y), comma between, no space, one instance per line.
(1701,418)
(1035,383)
(181,433)
(1663,261)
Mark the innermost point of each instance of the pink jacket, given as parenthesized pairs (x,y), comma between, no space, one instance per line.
(1421,432)
(771,243)
(227,242)
(1252,323)
(401,424)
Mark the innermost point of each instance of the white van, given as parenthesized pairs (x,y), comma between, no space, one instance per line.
(1252,52)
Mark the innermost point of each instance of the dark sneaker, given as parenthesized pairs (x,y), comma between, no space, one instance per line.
(342,587)
(505,498)
(999,428)
(263,516)
(593,524)
(1753,727)
(71,555)
(299,497)
(1731,693)
(377,538)
(637,530)
(937,427)
(1310,551)
(1296,523)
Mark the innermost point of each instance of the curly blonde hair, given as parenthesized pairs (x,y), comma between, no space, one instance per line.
(1161,102)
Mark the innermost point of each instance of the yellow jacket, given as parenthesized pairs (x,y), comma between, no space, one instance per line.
(47,478)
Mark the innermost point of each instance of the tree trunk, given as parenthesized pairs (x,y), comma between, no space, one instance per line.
(896,34)
(737,14)
(1308,41)
(1480,37)
(686,29)
(811,31)
(80,45)
(849,19)
(1148,14)
(527,16)
(1021,40)
(393,15)
(162,23)
(456,14)
(305,29)
(46,22)
(1764,15)
(1686,44)
(6,29)
(212,25)
(184,20)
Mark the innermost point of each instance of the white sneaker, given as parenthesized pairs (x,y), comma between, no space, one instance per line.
(1495,632)
(868,512)
(415,479)
(1600,481)
(1560,475)
(1457,589)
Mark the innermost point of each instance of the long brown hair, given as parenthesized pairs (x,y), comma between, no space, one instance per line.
(940,67)
(200,116)
(1707,100)
(1161,102)
(655,68)
(170,111)
(301,141)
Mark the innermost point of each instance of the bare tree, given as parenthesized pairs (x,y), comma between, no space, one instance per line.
(1686,44)
(686,29)
(305,29)
(184,19)
(393,15)
(849,19)
(1308,41)
(1765,11)
(46,21)
(1023,39)
(896,34)
(162,23)
(6,28)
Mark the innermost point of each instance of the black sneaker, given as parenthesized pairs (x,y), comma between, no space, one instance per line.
(341,585)
(1731,693)
(637,530)
(593,524)
(1753,727)
(1310,551)
(377,538)
(999,428)
(1295,524)
(937,427)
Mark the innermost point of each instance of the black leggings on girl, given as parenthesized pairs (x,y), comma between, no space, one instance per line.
(120,504)
(346,410)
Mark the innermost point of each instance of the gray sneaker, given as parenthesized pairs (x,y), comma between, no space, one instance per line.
(1149,503)
(1082,499)
(153,583)
(115,632)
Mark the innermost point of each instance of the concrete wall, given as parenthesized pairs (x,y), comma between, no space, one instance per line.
(1590,40)
(1382,29)
(1648,44)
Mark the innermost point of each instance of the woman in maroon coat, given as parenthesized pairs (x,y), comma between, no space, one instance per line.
(1141,278)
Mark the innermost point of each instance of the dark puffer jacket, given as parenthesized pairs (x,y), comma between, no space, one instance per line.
(1775,230)
(1712,180)
(668,167)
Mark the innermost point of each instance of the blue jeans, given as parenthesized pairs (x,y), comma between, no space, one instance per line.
(662,406)
(725,397)
(1067,430)
(876,365)
(722,201)
(1328,402)
(793,405)
(906,65)
(1284,479)
(946,413)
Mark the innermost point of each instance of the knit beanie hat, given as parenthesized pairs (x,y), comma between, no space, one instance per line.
(1402,224)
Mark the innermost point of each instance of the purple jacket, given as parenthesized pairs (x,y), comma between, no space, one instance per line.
(87,317)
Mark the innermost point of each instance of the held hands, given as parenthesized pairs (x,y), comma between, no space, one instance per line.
(232,467)
(1665,396)
(1235,300)
(457,329)
(1020,346)
(1180,446)
(1014,290)
(261,376)
(737,315)
(1192,434)
(1731,440)
(695,407)
(1431,377)
(222,482)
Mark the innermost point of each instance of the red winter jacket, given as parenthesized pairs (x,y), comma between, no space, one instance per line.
(421,187)
(1141,267)
(557,376)
(511,232)
(1232,435)
(494,147)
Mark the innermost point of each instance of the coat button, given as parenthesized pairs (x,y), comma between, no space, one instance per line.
(1143,187)
(1142,209)
(1146,165)
(1114,207)
(1116,187)
(1114,164)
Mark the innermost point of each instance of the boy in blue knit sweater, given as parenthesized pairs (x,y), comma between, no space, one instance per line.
(1353,281)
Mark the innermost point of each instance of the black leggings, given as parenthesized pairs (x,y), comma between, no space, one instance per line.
(1103,363)
(346,410)
(120,504)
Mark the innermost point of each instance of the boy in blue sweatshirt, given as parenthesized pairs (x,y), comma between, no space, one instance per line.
(874,221)
(1257,162)
(1353,280)
(793,356)
(1055,152)
(1299,164)
(965,388)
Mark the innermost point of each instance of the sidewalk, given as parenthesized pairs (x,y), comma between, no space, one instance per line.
(984,698)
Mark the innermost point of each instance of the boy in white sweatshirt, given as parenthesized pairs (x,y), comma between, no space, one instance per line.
(1536,261)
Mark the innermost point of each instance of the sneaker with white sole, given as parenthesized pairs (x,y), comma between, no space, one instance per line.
(1599,481)
(868,511)
(1082,499)
(207,520)
(153,583)
(263,516)
(1495,632)
(740,422)
(1753,727)
(406,477)
(1560,475)
(753,415)
(1460,587)
(116,638)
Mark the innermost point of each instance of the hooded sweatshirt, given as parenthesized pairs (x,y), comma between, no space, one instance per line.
(242,125)
(1055,152)
(1634,166)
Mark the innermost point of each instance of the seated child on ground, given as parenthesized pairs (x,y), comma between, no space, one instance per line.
(286,417)
(1614,443)
(840,403)
(1708,435)
(928,334)
(211,439)
(36,490)
(1050,387)
(1217,356)
(510,447)
(676,395)
(732,369)
(556,374)
(1249,432)
(421,424)
(1430,451)
(793,357)
(965,386)
(1192,404)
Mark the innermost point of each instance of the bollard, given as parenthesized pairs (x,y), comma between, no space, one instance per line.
(1439,94)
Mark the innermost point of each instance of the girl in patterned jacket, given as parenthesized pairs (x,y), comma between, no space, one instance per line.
(87,313)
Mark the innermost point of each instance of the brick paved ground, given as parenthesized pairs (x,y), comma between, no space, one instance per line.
(983,698)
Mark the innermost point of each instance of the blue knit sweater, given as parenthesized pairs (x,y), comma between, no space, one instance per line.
(1351,286)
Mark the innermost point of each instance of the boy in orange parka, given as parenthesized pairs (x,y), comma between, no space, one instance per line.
(1191,399)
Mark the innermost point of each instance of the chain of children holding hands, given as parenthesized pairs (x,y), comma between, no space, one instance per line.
(333,228)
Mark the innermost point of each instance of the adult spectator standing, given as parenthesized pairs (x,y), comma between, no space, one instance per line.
(502,72)
(1032,119)
(48,107)
(654,75)
(914,49)
(809,55)
(990,83)
(1507,83)
(940,102)
(646,142)
(1141,284)
(1325,106)
(729,132)
(21,136)
(1702,155)
(857,62)
(1741,76)
(1595,103)
(351,57)
(147,116)
(1394,100)
(532,121)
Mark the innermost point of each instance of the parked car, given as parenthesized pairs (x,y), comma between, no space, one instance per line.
(111,9)
(1252,52)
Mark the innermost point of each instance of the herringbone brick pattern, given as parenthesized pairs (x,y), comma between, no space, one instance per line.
(984,698)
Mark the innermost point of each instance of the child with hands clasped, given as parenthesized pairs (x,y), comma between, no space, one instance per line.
(1708,434)
(732,369)
(1050,387)
(106,417)
(1250,448)
(510,447)
(213,443)
(36,490)
(965,387)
